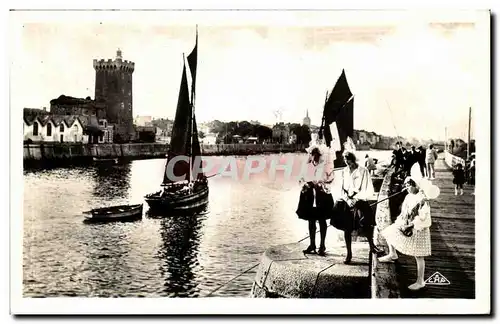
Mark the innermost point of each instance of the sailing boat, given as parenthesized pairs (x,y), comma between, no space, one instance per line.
(190,193)
(338,118)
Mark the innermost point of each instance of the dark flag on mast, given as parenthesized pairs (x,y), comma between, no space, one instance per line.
(193,63)
(338,108)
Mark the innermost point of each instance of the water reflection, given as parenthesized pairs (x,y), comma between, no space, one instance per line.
(170,256)
(179,254)
(112,181)
(106,270)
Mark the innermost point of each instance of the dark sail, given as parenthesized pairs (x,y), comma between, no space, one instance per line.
(345,122)
(180,138)
(339,108)
(193,64)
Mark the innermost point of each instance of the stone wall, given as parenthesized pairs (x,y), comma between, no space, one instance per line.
(64,151)
(85,152)
(383,275)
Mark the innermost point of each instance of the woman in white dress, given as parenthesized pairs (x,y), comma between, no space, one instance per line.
(410,233)
(352,212)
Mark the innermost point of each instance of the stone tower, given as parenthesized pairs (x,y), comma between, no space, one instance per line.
(113,84)
(307,120)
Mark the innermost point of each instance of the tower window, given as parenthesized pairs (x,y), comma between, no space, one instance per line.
(35,129)
(49,129)
(61,128)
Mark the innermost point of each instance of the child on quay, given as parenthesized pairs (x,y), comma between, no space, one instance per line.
(459,179)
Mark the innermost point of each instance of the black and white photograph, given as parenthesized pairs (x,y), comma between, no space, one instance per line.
(233,162)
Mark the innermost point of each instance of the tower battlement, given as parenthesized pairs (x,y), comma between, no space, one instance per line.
(118,64)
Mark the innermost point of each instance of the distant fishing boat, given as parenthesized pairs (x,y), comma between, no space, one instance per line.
(114,213)
(338,114)
(192,193)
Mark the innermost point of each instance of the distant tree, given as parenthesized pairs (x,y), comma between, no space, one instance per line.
(244,129)
(162,123)
(217,126)
(227,139)
(231,127)
(263,132)
(201,134)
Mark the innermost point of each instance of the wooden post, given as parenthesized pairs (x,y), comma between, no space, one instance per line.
(468,135)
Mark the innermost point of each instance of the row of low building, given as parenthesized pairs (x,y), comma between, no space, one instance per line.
(39,125)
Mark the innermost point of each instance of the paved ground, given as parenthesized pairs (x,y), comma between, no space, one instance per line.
(453,243)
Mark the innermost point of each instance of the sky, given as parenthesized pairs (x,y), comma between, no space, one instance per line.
(412,74)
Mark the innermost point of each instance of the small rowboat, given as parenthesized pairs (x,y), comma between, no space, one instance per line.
(105,160)
(114,213)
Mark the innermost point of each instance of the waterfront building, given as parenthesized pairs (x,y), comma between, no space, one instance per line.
(281,133)
(252,140)
(42,126)
(143,121)
(66,105)
(146,133)
(209,139)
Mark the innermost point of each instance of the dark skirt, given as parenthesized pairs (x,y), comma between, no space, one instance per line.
(324,204)
(361,217)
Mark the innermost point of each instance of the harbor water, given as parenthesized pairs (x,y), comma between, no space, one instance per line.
(177,256)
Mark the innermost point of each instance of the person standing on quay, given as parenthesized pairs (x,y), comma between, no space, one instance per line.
(370,164)
(421,160)
(352,212)
(316,201)
(430,159)
(459,179)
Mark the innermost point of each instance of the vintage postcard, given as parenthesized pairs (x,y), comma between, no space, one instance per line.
(250,162)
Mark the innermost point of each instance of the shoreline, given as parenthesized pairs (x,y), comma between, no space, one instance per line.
(51,155)
(48,155)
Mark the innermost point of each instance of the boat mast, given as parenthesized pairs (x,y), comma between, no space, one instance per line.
(192,129)
(193,86)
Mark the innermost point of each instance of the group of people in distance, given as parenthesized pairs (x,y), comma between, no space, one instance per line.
(350,210)
(403,159)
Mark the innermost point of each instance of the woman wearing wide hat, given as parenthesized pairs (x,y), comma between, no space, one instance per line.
(410,233)
(316,202)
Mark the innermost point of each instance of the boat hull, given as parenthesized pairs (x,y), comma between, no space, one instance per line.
(105,160)
(114,214)
(183,204)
